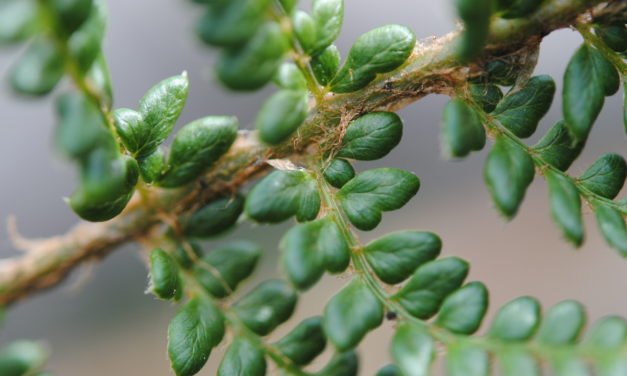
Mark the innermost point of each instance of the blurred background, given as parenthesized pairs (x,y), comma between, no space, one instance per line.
(100,321)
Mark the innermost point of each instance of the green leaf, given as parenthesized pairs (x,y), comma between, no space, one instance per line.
(243,358)
(288,76)
(377,51)
(288,5)
(430,285)
(151,166)
(466,360)
(612,226)
(195,329)
(394,257)
(508,172)
(22,358)
(267,306)
(215,217)
(186,253)
(283,194)
(364,197)
(486,95)
(38,70)
(413,350)
(350,314)
(571,366)
(160,108)
(96,210)
(389,370)
(341,364)
(304,29)
(100,78)
(520,8)
(588,78)
(71,13)
(607,334)
(232,23)
(520,111)
(614,35)
(462,131)
(517,320)
(502,73)
(516,362)
(85,44)
(325,64)
(371,136)
(305,342)
(562,324)
(222,270)
(338,172)
(281,115)
(132,129)
(463,310)
(558,148)
(253,65)
(309,248)
(328,16)
(18,20)
(476,17)
(196,147)
(606,176)
(565,206)
(164,275)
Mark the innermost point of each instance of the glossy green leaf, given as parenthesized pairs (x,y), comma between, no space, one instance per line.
(164,275)
(233,23)
(462,131)
(475,15)
(253,65)
(132,129)
(558,148)
(364,197)
(85,44)
(338,172)
(288,76)
(371,136)
(389,370)
(71,13)
(413,350)
(196,147)
(565,206)
(243,358)
(516,362)
(304,29)
(463,310)
(350,314)
(95,210)
(267,306)
(325,64)
(377,51)
(562,324)
(508,172)
(614,35)
(281,115)
(328,16)
(520,111)
(608,333)
(466,360)
(520,8)
(606,176)
(222,270)
(214,218)
(283,194)
(394,257)
(588,78)
(160,108)
(38,70)
(430,285)
(151,166)
(22,358)
(305,342)
(517,320)
(18,20)
(341,364)
(486,95)
(195,329)
(612,226)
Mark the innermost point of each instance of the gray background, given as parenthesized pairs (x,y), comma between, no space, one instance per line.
(106,325)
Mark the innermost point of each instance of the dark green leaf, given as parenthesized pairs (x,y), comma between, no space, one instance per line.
(38,70)
(562,324)
(81,127)
(160,108)
(430,285)
(97,211)
(281,115)
(341,364)
(71,13)
(328,16)
(588,78)
(132,129)
(305,342)
(215,217)
(508,172)
(371,136)
(612,226)
(196,147)
(339,172)
(396,256)
(288,76)
(22,358)
(463,310)
(267,306)
(476,17)
(502,73)
(517,320)
(378,51)
(608,333)
(520,111)
(18,20)
(565,206)
(232,23)
(516,362)
(222,270)
(368,194)
(389,370)
(558,148)
(195,329)
(413,350)
(462,131)
(466,360)
(614,35)
(283,194)
(350,314)
(85,44)
(151,166)
(243,358)
(325,64)
(520,8)
(486,95)
(187,253)
(164,275)
(606,176)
